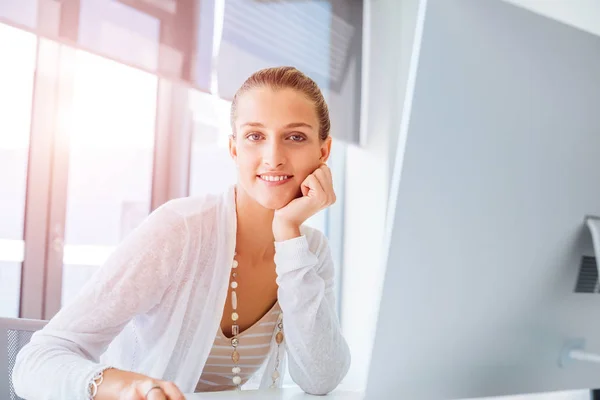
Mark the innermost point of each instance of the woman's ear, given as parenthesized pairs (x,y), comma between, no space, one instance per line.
(232,147)
(325,149)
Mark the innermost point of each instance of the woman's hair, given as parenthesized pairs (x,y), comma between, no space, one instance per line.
(286,78)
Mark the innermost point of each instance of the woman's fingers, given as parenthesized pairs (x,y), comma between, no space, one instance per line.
(172,391)
(151,390)
(323,175)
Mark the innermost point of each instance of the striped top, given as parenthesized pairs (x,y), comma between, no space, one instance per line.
(254,346)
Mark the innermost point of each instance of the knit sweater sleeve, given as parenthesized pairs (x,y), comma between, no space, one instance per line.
(319,356)
(60,360)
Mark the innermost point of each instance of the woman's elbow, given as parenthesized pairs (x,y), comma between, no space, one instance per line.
(319,390)
(324,386)
(19,374)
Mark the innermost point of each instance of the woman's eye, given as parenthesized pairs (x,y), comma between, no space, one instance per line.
(297,138)
(253,136)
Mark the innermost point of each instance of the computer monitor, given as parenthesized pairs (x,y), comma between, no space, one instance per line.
(490,267)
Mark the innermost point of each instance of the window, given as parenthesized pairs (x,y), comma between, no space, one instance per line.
(18,53)
(111,149)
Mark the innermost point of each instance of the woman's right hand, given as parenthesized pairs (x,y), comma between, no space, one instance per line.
(125,385)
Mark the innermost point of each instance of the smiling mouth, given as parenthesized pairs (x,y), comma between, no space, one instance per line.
(275,178)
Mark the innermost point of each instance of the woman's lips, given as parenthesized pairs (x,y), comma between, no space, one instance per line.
(275,180)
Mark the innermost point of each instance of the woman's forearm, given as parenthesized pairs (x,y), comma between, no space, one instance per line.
(318,353)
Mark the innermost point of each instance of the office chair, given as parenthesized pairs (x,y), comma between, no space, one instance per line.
(14,334)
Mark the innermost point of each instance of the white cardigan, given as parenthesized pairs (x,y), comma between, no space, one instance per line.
(156,304)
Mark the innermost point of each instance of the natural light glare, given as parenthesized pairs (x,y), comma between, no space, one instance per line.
(86,255)
(110,126)
(16,83)
(123,121)
(12,250)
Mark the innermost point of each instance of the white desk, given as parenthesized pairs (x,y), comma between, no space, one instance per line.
(297,394)
(273,394)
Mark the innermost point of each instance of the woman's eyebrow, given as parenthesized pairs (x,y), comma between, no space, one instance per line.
(298,125)
(288,126)
(255,124)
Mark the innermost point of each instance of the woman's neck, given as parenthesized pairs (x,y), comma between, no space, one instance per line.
(254,234)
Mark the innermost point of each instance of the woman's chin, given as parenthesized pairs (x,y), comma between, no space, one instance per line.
(273,203)
(273,198)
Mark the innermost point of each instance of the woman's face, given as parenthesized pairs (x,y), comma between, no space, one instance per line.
(276,145)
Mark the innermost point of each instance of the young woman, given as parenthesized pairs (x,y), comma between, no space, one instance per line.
(216,292)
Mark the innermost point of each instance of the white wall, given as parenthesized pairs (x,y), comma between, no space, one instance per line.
(583,14)
(388,32)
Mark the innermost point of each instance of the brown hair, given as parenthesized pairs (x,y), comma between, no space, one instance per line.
(286,78)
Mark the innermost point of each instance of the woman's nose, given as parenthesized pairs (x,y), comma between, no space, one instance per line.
(274,155)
